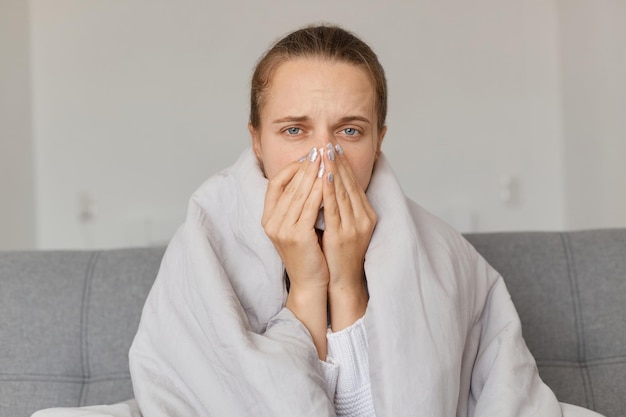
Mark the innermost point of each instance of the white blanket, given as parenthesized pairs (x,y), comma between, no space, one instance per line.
(216,340)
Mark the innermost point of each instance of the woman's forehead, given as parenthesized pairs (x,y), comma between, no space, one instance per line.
(314,85)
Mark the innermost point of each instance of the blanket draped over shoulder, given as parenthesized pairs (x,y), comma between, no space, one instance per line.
(216,340)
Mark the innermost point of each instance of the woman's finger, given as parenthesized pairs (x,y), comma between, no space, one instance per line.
(348,192)
(290,188)
(312,205)
(359,204)
(332,218)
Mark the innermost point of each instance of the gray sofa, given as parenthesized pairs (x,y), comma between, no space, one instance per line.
(68,317)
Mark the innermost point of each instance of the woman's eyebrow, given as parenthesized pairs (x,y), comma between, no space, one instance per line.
(354,118)
(291,119)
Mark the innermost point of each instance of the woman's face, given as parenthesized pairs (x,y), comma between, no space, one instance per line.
(312,102)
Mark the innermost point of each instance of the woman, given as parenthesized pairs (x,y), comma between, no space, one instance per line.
(304,282)
(317,124)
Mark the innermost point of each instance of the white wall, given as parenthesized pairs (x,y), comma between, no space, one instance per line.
(137,102)
(593,38)
(132,104)
(475,98)
(17,228)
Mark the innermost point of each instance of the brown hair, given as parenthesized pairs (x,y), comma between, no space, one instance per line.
(330,42)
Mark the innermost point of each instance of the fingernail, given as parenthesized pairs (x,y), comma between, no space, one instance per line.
(313,154)
(330,177)
(303,158)
(339,149)
(331,152)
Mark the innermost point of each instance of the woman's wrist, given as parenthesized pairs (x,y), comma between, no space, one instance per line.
(347,304)
(309,305)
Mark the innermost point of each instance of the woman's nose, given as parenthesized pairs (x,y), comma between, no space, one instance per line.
(323,138)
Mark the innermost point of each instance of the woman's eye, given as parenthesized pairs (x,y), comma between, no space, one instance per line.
(293,130)
(350,131)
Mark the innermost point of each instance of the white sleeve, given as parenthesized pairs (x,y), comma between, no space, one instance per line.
(347,349)
(330,372)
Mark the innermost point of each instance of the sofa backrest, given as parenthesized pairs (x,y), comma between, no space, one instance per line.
(69,317)
(67,321)
(570,292)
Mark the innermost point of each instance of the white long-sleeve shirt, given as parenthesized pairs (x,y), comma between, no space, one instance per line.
(346,371)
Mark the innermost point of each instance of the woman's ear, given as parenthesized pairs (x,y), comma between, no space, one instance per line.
(381,136)
(256,141)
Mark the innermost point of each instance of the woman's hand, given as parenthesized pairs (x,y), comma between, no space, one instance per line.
(350,222)
(292,203)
